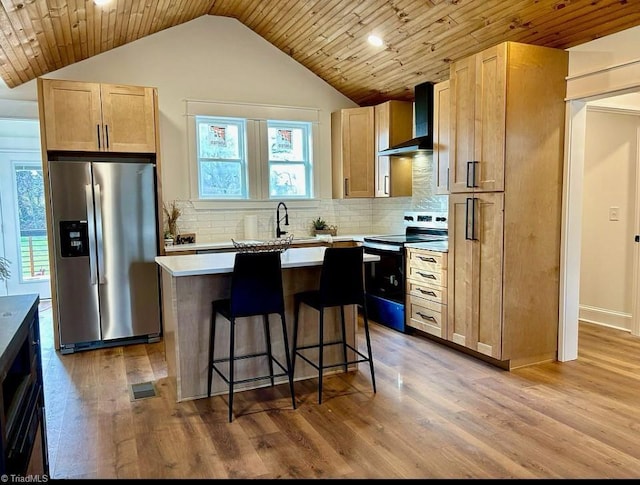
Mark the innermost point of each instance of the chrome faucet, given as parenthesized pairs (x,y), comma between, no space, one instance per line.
(280,232)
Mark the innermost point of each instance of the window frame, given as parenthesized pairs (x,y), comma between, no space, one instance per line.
(256,116)
(242,151)
(306,162)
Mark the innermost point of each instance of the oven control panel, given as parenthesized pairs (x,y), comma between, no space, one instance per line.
(426,219)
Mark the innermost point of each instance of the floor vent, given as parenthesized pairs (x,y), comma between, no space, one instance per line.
(143,390)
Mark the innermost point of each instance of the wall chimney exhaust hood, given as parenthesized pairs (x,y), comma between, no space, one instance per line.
(423,128)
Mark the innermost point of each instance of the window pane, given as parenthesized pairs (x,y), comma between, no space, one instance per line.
(219,140)
(221,179)
(288,179)
(287,143)
(34,252)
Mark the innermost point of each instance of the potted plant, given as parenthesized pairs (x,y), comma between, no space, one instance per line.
(168,238)
(171,213)
(320,226)
(5,273)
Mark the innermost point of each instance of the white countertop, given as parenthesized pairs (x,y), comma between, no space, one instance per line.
(227,244)
(221,263)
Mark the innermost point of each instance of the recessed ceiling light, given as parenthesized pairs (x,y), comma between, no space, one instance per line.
(99,3)
(375,40)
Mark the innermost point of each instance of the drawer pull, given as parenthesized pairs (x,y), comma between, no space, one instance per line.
(427,292)
(426,275)
(428,260)
(427,317)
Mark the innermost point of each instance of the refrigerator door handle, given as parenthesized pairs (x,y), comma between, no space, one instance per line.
(92,234)
(99,243)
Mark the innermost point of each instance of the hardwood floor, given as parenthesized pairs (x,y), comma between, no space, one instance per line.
(437,414)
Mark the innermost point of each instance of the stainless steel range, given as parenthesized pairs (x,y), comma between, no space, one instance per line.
(385,279)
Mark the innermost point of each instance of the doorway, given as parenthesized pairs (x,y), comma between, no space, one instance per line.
(22,211)
(572,223)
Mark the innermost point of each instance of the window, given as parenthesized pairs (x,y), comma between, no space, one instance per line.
(222,165)
(246,153)
(289,159)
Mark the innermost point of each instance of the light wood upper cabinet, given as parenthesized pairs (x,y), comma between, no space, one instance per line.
(81,116)
(393,124)
(352,147)
(128,118)
(441,137)
(478,121)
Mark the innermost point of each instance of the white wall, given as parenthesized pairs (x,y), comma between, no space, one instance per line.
(605,52)
(606,266)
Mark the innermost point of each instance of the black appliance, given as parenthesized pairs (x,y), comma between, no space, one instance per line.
(385,279)
(423,125)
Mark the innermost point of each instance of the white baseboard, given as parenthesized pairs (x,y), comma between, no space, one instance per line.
(608,318)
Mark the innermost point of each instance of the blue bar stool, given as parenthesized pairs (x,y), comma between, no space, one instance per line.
(256,289)
(341,283)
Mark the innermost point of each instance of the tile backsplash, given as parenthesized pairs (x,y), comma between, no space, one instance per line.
(351,216)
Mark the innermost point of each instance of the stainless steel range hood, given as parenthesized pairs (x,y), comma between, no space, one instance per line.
(423,128)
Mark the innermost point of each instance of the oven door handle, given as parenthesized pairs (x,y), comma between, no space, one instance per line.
(382,249)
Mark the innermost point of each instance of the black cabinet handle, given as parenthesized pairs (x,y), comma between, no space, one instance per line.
(470,222)
(471,174)
(426,275)
(98,133)
(426,317)
(427,259)
(346,187)
(106,129)
(467,219)
(426,292)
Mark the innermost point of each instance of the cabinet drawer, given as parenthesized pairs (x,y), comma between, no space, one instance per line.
(428,316)
(422,275)
(428,291)
(433,261)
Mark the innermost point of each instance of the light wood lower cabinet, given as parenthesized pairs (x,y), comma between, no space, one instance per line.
(427,291)
(475,278)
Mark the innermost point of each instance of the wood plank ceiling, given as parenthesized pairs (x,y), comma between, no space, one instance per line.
(421,37)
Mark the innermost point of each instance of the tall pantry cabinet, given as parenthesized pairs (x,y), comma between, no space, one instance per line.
(505,182)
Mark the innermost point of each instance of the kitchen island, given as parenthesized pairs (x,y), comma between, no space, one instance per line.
(191,282)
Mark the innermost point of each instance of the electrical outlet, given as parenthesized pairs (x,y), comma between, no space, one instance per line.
(614,213)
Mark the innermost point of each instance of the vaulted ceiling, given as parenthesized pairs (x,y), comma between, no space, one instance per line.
(421,37)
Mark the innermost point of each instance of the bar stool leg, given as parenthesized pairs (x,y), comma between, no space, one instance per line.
(212,336)
(368,339)
(232,331)
(320,353)
(267,335)
(296,312)
(344,338)
(288,357)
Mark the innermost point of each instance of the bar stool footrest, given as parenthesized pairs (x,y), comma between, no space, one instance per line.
(363,358)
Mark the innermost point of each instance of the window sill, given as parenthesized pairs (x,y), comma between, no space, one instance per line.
(200,204)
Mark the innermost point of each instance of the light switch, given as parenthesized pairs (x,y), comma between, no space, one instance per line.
(614,213)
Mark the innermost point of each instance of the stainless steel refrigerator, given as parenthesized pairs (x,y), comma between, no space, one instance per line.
(105,238)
